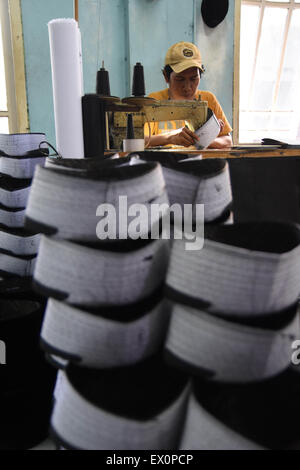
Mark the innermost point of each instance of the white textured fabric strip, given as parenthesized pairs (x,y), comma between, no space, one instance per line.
(214,192)
(16,198)
(232,352)
(202,431)
(70,203)
(19,245)
(191,181)
(19,144)
(94,277)
(67,81)
(18,266)
(234,280)
(21,168)
(100,342)
(12,219)
(85,426)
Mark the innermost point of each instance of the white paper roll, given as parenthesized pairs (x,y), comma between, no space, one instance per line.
(133,145)
(67,82)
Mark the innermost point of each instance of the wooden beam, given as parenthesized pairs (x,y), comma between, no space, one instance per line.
(76,16)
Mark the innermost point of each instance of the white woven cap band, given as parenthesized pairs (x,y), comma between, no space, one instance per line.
(13,265)
(227,351)
(202,431)
(233,280)
(197,182)
(12,218)
(22,168)
(214,192)
(67,204)
(18,243)
(99,342)
(94,277)
(15,198)
(79,424)
(20,144)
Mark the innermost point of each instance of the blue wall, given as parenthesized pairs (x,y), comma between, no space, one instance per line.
(123,32)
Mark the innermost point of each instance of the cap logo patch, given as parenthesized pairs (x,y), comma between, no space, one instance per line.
(187,53)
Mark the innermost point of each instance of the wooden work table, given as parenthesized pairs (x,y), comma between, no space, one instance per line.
(235,152)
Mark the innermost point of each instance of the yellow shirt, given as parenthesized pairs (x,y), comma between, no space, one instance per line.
(167,126)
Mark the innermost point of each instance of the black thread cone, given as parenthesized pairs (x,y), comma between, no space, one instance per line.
(130,130)
(93,115)
(138,82)
(102,87)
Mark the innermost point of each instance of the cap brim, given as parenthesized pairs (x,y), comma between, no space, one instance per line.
(185,64)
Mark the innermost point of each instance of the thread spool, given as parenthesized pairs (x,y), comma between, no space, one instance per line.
(130,129)
(138,82)
(102,86)
(93,125)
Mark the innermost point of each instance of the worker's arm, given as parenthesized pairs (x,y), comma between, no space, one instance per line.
(224,141)
(184,137)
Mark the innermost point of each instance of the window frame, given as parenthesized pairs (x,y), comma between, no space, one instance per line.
(14,63)
(291,5)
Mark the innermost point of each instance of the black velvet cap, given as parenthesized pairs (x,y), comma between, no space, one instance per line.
(214,11)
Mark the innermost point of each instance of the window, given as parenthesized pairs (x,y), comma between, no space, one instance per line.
(269,78)
(13,103)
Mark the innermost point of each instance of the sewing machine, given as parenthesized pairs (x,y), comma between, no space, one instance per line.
(147,110)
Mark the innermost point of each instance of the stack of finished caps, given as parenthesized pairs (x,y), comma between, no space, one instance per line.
(233,324)
(19,155)
(104,276)
(27,381)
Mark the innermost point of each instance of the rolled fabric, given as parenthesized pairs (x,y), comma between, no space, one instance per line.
(67,81)
(98,341)
(226,351)
(53,209)
(244,417)
(14,192)
(20,144)
(86,276)
(133,145)
(243,270)
(12,217)
(140,407)
(196,181)
(18,242)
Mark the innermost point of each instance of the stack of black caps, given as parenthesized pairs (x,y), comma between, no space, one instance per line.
(193,181)
(233,323)
(19,155)
(106,318)
(27,381)
(104,276)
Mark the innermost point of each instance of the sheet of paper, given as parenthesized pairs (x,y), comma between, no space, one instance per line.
(208,132)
